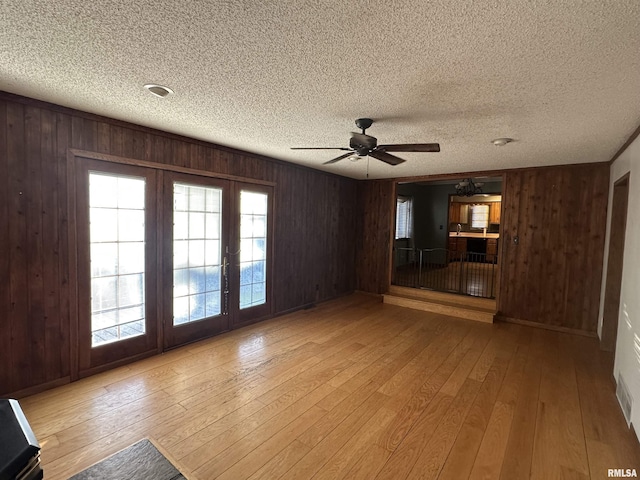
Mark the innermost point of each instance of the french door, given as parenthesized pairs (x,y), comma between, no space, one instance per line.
(195,233)
(215,273)
(166,258)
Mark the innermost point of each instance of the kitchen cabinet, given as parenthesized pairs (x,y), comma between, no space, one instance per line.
(454,213)
(494,212)
(464,213)
(458,212)
(456,247)
(492,250)
(473,242)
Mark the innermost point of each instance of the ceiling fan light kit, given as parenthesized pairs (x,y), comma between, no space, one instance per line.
(466,188)
(363,145)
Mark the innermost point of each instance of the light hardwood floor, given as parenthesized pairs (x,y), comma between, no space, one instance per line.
(353,389)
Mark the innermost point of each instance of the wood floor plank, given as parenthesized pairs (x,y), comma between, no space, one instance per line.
(257,411)
(256,457)
(484,363)
(206,442)
(313,461)
(323,371)
(214,457)
(353,389)
(488,462)
(463,369)
(352,403)
(369,465)
(462,455)
(434,454)
(104,424)
(338,466)
(559,444)
(519,450)
(226,411)
(282,462)
(495,430)
(403,459)
(602,457)
(417,401)
(432,353)
(366,358)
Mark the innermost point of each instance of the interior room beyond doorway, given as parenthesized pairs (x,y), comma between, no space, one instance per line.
(447,235)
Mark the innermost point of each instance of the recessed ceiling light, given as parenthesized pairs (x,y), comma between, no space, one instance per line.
(158,90)
(501,142)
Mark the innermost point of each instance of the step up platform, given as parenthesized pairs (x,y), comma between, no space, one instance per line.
(453,305)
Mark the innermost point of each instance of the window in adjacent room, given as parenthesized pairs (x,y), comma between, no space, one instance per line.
(404,217)
(479,216)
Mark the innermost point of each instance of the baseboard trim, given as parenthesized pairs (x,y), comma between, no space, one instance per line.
(26,392)
(555,328)
(370,294)
(118,363)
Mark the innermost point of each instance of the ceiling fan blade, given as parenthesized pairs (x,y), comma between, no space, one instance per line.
(362,140)
(411,147)
(337,159)
(320,148)
(386,157)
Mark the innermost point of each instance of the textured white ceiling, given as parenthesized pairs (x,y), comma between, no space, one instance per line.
(561,77)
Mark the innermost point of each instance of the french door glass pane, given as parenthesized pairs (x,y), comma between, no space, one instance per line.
(116,217)
(253,248)
(196,252)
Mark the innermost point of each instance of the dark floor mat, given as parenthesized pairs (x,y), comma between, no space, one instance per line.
(141,461)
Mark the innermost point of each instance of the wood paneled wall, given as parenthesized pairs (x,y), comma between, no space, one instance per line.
(315,214)
(552,277)
(553,274)
(376,215)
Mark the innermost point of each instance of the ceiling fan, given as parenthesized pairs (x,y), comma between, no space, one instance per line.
(362,145)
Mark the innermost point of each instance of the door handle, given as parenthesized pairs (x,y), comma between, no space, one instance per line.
(225,279)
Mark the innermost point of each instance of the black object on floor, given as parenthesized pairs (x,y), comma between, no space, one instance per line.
(140,461)
(19,449)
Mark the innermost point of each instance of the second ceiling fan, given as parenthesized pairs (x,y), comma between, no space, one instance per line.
(364,145)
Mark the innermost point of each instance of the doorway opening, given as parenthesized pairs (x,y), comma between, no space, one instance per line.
(614,265)
(446,238)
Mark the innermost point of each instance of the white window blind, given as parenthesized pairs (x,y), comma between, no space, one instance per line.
(479,216)
(404,217)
